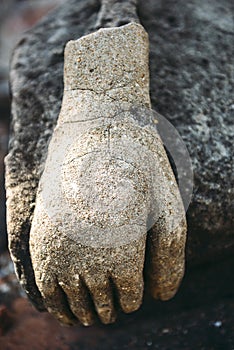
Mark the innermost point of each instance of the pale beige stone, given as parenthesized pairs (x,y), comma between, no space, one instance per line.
(107,181)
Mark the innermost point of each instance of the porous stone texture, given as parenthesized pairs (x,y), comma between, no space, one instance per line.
(106,178)
(191,78)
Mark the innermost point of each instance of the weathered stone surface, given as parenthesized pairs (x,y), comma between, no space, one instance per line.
(105,175)
(191,80)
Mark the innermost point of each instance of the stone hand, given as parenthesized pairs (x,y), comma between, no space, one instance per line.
(106,183)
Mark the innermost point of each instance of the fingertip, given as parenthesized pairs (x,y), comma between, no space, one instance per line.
(130,306)
(164,289)
(79,301)
(57,306)
(102,296)
(130,293)
(163,295)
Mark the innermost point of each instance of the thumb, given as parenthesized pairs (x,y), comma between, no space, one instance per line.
(165,254)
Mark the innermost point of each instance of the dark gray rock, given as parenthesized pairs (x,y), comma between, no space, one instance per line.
(191,83)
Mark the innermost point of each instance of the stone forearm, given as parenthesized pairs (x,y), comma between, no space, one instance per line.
(94,75)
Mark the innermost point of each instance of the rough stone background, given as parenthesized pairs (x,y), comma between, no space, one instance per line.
(191,84)
(15,17)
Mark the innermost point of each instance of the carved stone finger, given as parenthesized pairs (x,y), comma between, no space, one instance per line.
(130,291)
(56,302)
(167,236)
(102,295)
(78,300)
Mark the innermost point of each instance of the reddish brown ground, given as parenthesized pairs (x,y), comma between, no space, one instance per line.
(200,317)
